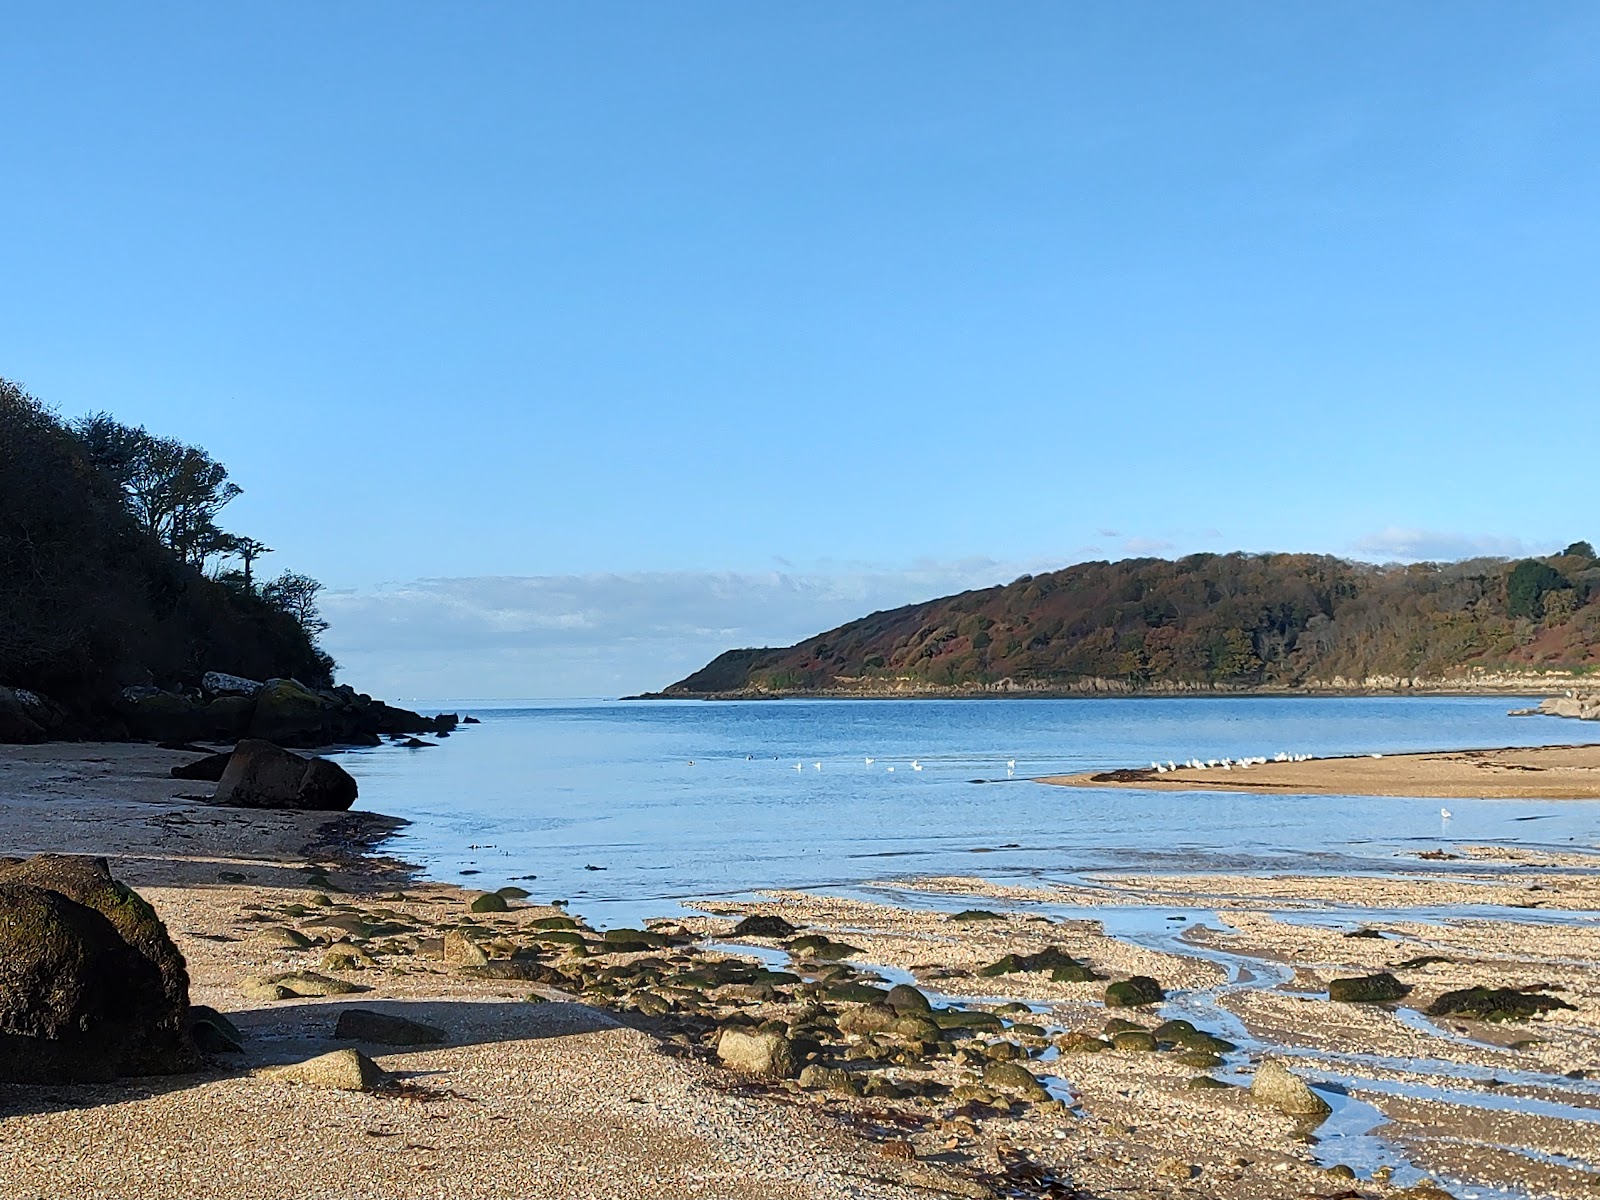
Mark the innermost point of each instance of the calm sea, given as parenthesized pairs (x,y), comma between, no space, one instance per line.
(674,800)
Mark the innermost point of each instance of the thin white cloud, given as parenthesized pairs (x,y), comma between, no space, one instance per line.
(605,634)
(1425,545)
(1142,546)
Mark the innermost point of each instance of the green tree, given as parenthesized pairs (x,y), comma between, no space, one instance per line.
(174,490)
(1579,550)
(1526,586)
(296,595)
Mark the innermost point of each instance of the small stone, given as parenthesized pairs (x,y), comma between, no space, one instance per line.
(346,1070)
(1176,1168)
(818,1078)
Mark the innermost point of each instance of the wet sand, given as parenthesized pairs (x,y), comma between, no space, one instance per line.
(559,1098)
(1541,773)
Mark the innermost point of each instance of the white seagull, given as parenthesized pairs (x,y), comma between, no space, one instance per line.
(869,762)
(1445,813)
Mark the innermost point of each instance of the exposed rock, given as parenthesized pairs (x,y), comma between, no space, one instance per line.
(1136,1040)
(817,946)
(763,925)
(819,1078)
(220,683)
(158,716)
(489,902)
(287,710)
(462,951)
(1063,968)
(261,775)
(1134,993)
(210,769)
(227,718)
(19,725)
(1367,989)
(91,987)
(346,1070)
(907,999)
(1276,1085)
(976,914)
(212,1032)
(280,937)
(1495,1004)
(366,1025)
(757,1052)
(292,984)
(1014,1078)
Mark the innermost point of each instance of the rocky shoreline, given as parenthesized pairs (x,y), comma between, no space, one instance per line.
(397,1038)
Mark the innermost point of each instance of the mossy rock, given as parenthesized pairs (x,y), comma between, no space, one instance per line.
(1120,1024)
(1174,1031)
(489,902)
(763,925)
(1206,1083)
(1136,1040)
(1079,1042)
(559,923)
(624,941)
(1202,1059)
(1055,961)
(815,945)
(856,993)
(1135,992)
(78,1002)
(976,914)
(1014,1079)
(964,1018)
(907,999)
(512,892)
(1367,989)
(1495,1004)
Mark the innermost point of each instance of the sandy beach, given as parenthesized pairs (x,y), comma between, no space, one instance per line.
(593,1073)
(1541,773)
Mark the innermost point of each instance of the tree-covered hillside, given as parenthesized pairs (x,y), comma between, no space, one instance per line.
(114,571)
(1230,621)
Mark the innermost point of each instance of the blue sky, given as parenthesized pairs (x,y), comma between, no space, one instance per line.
(569,344)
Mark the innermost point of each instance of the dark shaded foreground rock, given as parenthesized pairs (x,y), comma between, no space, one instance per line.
(91,987)
(209,769)
(261,775)
(366,1025)
(22,721)
(764,925)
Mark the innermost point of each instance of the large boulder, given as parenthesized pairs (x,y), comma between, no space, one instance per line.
(91,986)
(227,718)
(19,720)
(158,716)
(288,711)
(757,1052)
(220,683)
(261,775)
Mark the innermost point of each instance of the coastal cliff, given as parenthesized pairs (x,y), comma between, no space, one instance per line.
(1206,624)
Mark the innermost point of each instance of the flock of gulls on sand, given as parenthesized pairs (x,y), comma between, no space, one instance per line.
(1228,764)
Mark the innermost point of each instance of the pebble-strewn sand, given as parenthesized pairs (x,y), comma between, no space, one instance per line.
(552,1098)
(1544,773)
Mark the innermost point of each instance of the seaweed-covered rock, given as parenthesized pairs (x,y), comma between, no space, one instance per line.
(1134,992)
(1495,1004)
(1063,968)
(976,914)
(815,945)
(79,1001)
(763,925)
(489,902)
(261,775)
(286,710)
(1367,989)
(1138,1041)
(1013,1078)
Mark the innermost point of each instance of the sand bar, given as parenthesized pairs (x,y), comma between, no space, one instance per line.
(1537,773)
